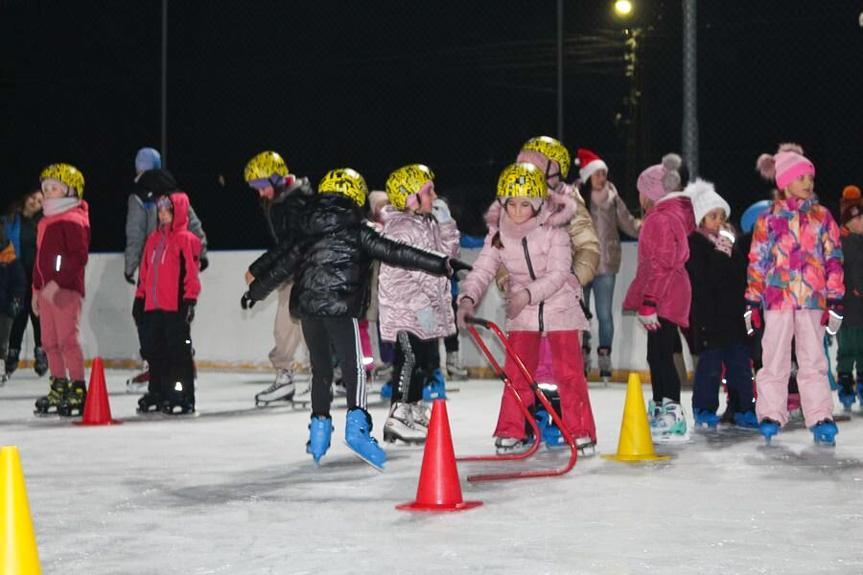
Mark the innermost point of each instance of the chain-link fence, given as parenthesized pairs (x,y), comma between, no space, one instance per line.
(457,85)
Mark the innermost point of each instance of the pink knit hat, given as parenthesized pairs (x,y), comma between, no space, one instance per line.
(787,165)
(658,180)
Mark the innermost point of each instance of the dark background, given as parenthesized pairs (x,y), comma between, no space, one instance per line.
(374,85)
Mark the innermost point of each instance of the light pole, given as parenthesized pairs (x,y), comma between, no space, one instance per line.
(690,88)
(163,115)
(560,70)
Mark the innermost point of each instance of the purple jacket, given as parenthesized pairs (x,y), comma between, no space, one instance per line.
(538,256)
(415,301)
(663,250)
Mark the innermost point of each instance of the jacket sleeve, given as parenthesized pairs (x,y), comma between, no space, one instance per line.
(136,233)
(399,254)
(557,270)
(76,239)
(192,248)
(143,272)
(833,258)
(196,228)
(278,273)
(585,243)
(661,251)
(483,273)
(266,260)
(625,220)
(451,239)
(759,261)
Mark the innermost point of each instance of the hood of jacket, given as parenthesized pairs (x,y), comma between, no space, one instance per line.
(330,213)
(679,206)
(181,212)
(154,183)
(556,211)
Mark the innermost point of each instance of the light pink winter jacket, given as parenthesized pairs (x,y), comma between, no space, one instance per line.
(415,301)
(663,249)
(538,256)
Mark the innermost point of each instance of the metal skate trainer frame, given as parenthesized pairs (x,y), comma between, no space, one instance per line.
(508,387)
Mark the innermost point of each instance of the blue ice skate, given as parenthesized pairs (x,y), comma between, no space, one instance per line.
(549,432)
(847,397)
(320,431)
(706,418)
(825,432)
(768,429)
(746,419)
(358,438)
(387,390)
(434,387)
(860,389)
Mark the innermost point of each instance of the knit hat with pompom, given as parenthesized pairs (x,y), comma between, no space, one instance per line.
(851,204)
(658,180)
(785,166)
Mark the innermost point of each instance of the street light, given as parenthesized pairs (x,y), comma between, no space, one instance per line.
(623,7)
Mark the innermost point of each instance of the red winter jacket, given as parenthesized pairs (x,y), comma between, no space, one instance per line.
(170,262)
(62,249)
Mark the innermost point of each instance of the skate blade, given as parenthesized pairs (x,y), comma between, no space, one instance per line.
(363,459)
(673,439)
(273,402)
(300,404)
(392,438)
(45,414)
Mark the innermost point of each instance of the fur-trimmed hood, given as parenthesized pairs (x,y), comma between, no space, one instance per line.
(556,211)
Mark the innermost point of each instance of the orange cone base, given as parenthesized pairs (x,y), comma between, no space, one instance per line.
(417,506)
(637,458)
(90,423)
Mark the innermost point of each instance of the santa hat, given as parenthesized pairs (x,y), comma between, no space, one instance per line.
(705,199)
(787,165)
(851,204)
(588,163)
(659,179)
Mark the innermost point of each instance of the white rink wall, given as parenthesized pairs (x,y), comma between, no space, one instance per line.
(226,336)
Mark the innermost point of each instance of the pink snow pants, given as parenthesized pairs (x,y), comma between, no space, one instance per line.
(568,374)
(61,322)
(772,379)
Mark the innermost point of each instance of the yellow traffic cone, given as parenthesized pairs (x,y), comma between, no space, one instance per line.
(19,555)
(635,442)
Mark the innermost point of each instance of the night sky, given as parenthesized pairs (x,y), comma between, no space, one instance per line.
(374,85)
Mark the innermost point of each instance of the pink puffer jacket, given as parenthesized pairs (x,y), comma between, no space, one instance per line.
(538,256)
(663,249)
(415,301)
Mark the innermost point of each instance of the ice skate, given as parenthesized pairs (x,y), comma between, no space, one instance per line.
(512,445)
(768,429)
(149,403)
(586,446)
(358,438)
(282,389)
(387,390)
(421,413)
(847,395)
(303,396)
(860,389)
(746,419)
(48,404)
(824,432)
(179,399)
(548,431)
(40,361)
(74,400)
(320,432)
(434,387)
(400,425)
(140,382)
(670,426)
(604,361)
(706,418)
(4,377)
(453,367)
(12,361)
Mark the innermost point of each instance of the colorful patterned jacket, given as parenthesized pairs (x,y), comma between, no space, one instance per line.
(796,259)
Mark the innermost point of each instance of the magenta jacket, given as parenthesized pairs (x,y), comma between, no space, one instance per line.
(62,249)
(410,300)
(538,256)
(663,250)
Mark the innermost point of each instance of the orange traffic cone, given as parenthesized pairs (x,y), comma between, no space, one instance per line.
(635,443)
(439,488)
(19,555)
(97,410)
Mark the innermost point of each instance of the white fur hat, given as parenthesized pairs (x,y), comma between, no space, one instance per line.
(705,199)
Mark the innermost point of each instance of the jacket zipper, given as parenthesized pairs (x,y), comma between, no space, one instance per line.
(156,261)
(533,277)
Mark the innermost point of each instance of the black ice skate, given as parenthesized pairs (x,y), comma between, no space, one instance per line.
(74,400)
(40,361)
(179,402)
(149,403)
(48,404)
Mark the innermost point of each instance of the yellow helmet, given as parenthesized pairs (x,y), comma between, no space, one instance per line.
(67,174)
(552,149)
(405,181)
(520,180)
(264,165)
(347,182)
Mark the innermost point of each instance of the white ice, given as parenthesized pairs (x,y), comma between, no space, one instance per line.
(232,491)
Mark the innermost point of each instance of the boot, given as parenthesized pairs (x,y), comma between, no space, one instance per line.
(768,429)
(400,425)
(40,361)
(434,387)
(12,361)
(320,432)
(74,400)
(847,395)
(453,368)
(604,355)
(50,403)
(150,402)
(825,432)
(358,438)
(706,418)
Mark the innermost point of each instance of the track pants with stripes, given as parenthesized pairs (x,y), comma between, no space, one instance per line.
(323,335)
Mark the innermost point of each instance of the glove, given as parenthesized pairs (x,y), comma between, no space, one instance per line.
(465,309)
(246,302)
(187,311)
(14,307)
(724,242)
(832,317)
(50,290)
(130,278)
(516,302)
(249,278)
(440,211)
(203,264)
(138,310)
(752,317)
(647,314)
(457,265)
(426,319)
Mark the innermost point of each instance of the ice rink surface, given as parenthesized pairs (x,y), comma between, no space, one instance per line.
(233,491)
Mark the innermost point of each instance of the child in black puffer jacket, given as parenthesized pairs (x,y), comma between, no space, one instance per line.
(11,296)
(329,262)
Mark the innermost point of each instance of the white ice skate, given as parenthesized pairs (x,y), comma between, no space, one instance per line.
(282,389)
(400,425)
(421,413)
(454,369)
(303,396)
(669,426)
(586,446)
(140,382)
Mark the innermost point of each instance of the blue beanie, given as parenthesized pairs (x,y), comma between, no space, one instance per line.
(147,159)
